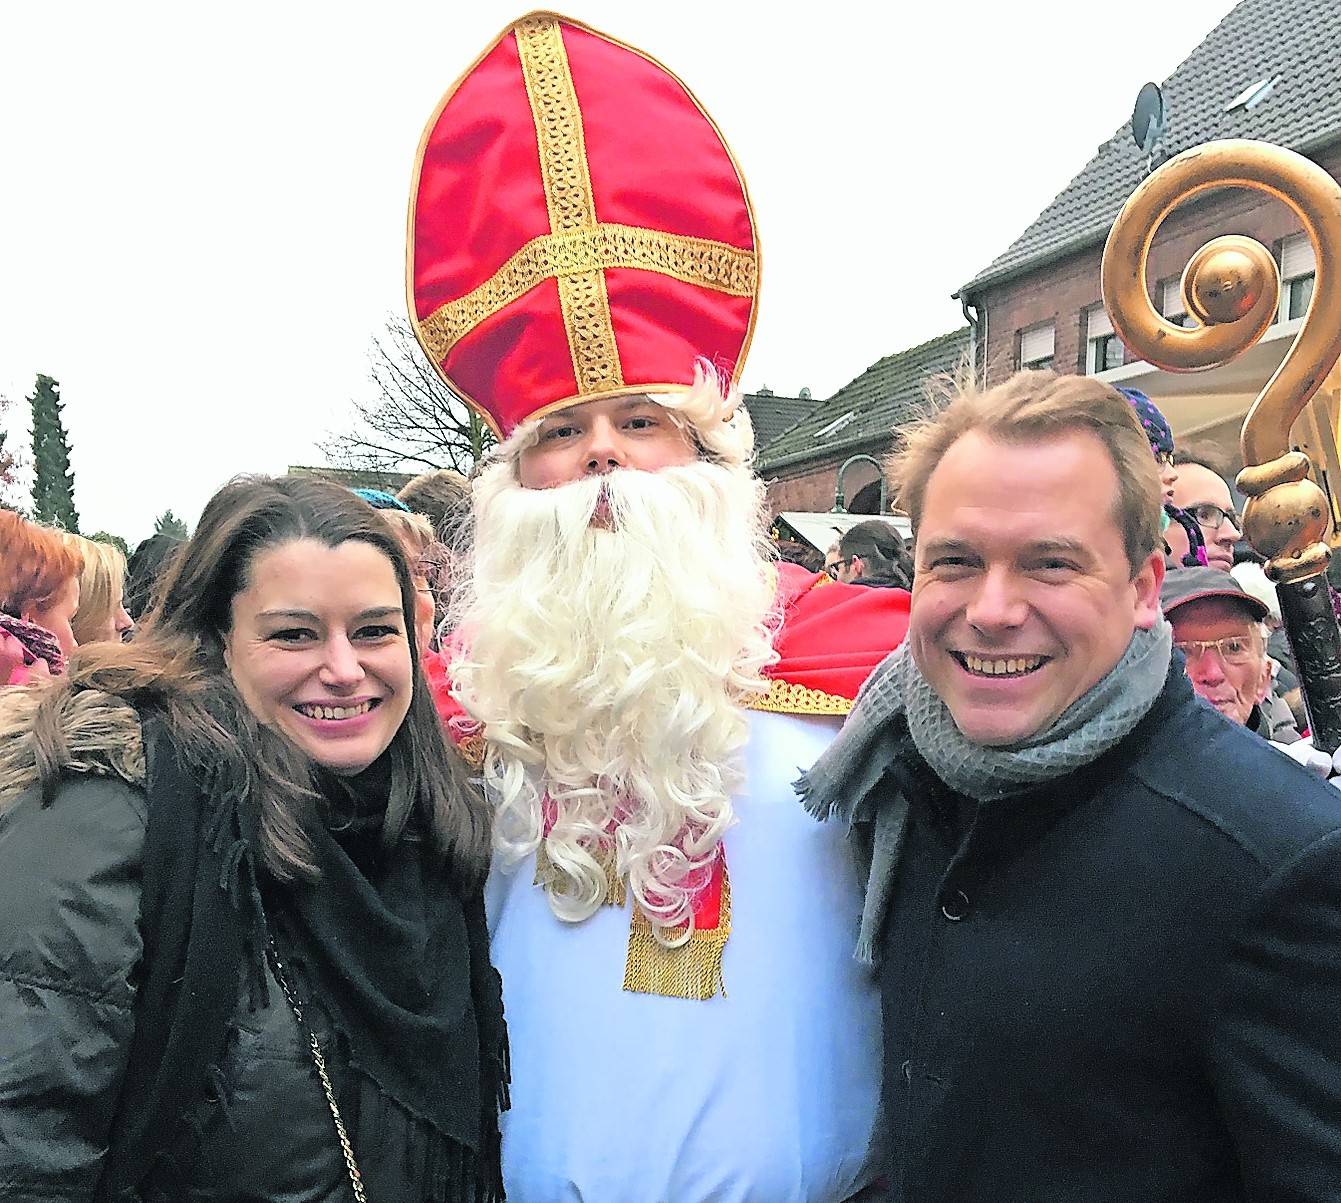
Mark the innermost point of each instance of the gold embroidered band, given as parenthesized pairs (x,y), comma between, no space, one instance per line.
(583,299)
(700,261)
(784,697)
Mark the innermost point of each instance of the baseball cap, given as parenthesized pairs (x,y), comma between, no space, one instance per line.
(1183,585)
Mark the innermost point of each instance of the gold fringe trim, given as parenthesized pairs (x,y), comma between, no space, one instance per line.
(699,261)
(784,697)
(694,970)
(547,876)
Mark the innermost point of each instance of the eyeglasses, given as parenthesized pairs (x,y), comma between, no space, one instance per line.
(1234,649)
(1212,517)
(837,566)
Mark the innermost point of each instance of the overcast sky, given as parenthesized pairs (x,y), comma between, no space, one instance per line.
(203,212)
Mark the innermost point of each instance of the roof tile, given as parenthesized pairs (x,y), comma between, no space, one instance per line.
(887,395)
(1292,41)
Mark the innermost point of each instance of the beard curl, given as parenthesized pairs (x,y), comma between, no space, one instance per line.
(608,664)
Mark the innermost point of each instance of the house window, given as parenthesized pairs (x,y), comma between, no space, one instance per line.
(1298,294)
(1103,349)
(1172,306)
(1297,269)
(1036,347)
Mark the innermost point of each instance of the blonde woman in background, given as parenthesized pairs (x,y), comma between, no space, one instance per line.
(101,616)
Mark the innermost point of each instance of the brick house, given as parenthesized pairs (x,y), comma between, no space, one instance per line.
(801,465)
(1270,70)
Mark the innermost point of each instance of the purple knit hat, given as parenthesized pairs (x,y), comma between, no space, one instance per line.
(1154,423)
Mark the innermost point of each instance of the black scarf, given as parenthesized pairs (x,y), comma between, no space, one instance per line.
(382,944)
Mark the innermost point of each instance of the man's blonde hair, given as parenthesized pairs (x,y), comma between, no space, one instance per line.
(1034,406)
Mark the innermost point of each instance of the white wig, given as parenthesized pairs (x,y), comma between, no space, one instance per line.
(608,666)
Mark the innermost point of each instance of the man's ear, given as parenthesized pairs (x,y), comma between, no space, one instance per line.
(858,567)
(1264,686)
(1149,577)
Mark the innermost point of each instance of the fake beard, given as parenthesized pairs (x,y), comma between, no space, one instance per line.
(608,634)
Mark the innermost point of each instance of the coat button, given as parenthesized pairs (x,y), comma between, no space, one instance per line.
(956,907)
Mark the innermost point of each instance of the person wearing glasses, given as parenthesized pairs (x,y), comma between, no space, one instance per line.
(871,553)
(1202,491)
(1217,625)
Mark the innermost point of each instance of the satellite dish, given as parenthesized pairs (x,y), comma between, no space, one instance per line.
(1147,118)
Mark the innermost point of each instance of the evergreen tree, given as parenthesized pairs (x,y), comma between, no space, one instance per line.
(53,482)
(167,523)
(116,541)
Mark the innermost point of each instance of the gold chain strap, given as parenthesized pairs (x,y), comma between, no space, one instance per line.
(355,1178)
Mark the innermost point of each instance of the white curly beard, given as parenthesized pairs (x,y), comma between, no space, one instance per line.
(608,663)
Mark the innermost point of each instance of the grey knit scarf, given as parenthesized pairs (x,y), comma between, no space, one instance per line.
(841,783)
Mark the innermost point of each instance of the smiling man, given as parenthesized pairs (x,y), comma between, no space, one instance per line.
(1107,922)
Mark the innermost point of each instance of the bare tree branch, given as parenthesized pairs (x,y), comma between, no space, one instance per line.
(413,421)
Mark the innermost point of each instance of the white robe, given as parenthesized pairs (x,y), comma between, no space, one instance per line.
(768,1095)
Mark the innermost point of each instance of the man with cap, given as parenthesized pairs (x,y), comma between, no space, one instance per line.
(1217,625)
(637,675)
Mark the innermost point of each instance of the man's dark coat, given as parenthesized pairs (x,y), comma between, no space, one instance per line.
(1124,986)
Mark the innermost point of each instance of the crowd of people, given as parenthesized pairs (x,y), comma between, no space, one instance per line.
(450,845)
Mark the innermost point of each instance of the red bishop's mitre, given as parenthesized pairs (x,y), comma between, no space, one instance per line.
(578,228)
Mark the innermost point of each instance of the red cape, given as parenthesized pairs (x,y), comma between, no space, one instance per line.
(833,635)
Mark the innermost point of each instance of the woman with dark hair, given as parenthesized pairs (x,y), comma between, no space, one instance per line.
(242,942)
(146,569)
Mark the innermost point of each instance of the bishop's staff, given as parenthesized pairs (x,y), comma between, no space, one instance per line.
(1231,286)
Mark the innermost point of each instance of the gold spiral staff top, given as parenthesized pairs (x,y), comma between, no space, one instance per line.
(1231,286)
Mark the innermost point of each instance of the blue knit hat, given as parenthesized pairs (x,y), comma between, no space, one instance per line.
(380,500)
(1154,423)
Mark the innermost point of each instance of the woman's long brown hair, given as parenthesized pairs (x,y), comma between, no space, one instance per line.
(175,667)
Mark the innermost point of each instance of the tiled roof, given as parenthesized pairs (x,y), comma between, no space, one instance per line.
(887,395)
(772,414)
(1294,42)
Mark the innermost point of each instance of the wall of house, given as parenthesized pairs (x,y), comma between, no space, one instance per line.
(811,490)
(1061,292)
(809,487)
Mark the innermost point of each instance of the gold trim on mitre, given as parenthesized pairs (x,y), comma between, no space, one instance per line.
(588,301)
(786,697)
(566,176)
(701,261)
(693,970)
